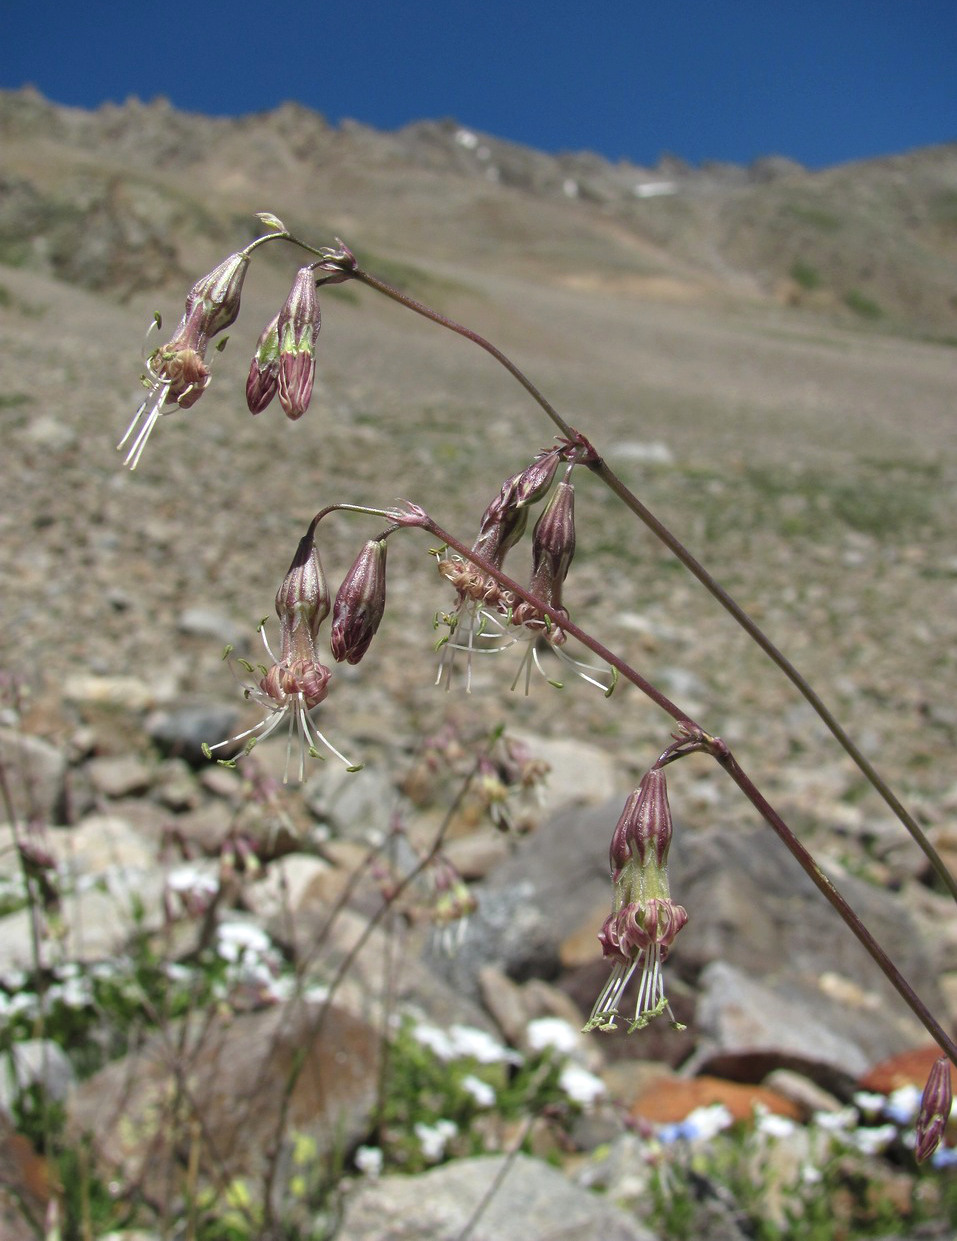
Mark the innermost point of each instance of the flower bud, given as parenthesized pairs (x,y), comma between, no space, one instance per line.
(645,827)
(503,524)
(298,328)
(553,546)
(217,295)
(264,371)
(360,603)
(935,1105)
(303,597)
(534,481)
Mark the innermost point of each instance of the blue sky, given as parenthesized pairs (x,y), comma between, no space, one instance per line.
(822,81)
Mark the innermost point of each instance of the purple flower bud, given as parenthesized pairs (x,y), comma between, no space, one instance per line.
(264,371)
(298,328)
(644,829)
(935,1104)
(534,481)
(553,545)
(303,597)
(360,603)
(217,295)
(503,524)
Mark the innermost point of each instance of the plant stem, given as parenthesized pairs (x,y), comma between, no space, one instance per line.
(691,732)
(602,470)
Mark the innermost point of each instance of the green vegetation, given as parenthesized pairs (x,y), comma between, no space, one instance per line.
(805,275)
(862,305)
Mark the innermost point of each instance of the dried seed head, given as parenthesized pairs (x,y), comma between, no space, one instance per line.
(360,604)
(298,328)
(935,1104)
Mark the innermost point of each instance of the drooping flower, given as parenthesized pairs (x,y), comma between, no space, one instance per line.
(297,681)
(487,619)
(263,377)
(297,331)
(935,1105)
(638,933)
(176,373)
(360,604)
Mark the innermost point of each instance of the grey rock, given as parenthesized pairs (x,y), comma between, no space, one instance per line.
(552,881)
(199,622)
(183,731)
(355,804)
(118,777)
(229,1074)
(737,1014)
(533,1202)
(38,1062)
(35,773)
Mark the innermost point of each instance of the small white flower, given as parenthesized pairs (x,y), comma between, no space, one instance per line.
(369,1160)
(868,1102)
(843,1121)
(236,940)
(469,1041)
(580,1085)
(705,1122)
(871,1141)
(481,1092)
(434,1138)
(437,1041)
(552,1032)
(775,1126)
(903,1104)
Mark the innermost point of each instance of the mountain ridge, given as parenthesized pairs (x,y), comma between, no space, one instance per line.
(112,199)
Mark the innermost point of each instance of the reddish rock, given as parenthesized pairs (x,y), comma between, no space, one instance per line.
(908,1068)
(670,1100)
(27,1185)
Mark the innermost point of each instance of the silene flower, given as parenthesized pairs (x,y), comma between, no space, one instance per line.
(637,935)
(176,373)
(488,620)
(296,681)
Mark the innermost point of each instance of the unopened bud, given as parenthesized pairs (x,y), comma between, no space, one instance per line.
(360,603)
(935,1104)
(645,828)
(298,328)
(503,524)
(303,597)
(264,371)
(534,481)
(553,545)
(217,295)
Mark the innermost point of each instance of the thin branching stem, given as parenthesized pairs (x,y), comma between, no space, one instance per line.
(693,737)
(602,470)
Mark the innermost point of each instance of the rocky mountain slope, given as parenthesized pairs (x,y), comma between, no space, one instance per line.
(765,355)
(111,199)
